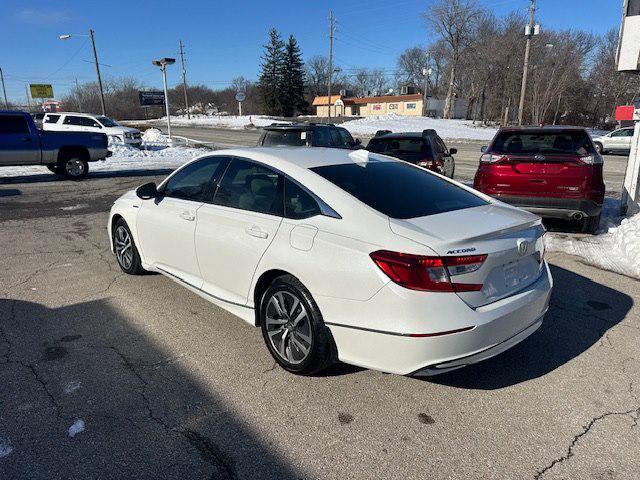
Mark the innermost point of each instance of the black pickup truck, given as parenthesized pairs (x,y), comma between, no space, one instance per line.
(64,153)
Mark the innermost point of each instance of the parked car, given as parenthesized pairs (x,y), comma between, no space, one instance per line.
(66,153)
(424,149)
(551,171)
(83,122)
(307,135)
(618,141)
(342,255)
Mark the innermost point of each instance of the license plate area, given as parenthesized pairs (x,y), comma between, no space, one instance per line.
(517,273)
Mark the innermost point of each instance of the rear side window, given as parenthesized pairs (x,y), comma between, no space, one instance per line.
(289,138)
(80,121)
(52,119)
(398,189)
(569,142)
(250,186)
(298,203)
(195,181)
(322,137)
(13,125)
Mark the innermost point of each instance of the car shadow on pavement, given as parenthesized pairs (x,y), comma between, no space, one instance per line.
(86,394)
(580,314)
(50,177)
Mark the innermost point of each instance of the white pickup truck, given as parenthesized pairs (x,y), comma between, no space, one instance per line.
(84,122)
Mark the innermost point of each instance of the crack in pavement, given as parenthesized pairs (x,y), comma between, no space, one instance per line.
(584,432)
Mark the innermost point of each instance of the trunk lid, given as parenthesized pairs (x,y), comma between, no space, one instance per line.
(511,238)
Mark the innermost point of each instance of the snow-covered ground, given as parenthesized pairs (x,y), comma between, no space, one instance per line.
(616,248)
(447,129)
(368,126)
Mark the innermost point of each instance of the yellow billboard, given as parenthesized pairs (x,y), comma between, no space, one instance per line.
(39,90)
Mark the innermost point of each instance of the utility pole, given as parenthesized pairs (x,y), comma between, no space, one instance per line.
(525,69)
(95,58)
(330,63)
(426,73)
(4,90)
(184,80)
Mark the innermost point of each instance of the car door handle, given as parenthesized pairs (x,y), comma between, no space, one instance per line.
(256,231)
(186,215)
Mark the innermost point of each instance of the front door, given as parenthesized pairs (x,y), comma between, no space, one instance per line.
(234,232)
(18,144)
(166,225)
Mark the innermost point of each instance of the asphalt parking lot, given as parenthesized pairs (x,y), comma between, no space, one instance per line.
(157,383)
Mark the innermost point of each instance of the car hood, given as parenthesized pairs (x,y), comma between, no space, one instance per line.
(120,130)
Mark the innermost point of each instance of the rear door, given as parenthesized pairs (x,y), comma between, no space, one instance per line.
(541,163)
(235,230)
(19,145)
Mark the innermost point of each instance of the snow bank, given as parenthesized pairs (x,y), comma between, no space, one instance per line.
(458,129)
(617,250)
(219,121)
(153,135)
(124,157)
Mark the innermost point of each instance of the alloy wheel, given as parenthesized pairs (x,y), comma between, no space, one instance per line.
(124,247)
(74,167)
(288,326)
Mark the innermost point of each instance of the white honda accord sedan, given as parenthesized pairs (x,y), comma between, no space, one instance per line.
(340,255)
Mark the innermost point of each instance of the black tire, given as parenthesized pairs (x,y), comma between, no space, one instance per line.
(320,345)
(599,148)
(590,224)
(128,258)
(74,168)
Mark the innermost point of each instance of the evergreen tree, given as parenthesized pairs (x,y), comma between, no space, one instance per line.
(271,75)
(293,79)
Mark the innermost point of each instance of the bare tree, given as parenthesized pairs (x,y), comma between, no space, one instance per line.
(455,21)
(410,65)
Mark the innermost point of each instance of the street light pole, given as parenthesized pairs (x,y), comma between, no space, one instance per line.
(95,58)
(525,69)
(162,63)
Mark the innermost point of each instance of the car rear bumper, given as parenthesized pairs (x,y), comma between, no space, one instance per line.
(489,330)
(567,208)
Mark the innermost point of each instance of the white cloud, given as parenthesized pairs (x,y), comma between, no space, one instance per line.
(41,16)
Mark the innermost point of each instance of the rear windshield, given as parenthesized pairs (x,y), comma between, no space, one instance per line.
(289,138)
(576,143)
(398,145)
(398,189)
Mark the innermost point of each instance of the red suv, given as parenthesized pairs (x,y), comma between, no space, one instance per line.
(552,171)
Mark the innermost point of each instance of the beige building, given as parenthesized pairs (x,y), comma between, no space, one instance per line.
(410,105)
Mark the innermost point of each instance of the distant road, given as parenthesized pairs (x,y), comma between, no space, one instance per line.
(466,158)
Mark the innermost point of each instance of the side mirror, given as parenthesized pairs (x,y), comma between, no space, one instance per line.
(453,151)
(484,149)
(147,191)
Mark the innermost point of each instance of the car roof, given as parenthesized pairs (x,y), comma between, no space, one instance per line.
(539,129)
(297,126)
(78,114)
(290,159)
(402,135)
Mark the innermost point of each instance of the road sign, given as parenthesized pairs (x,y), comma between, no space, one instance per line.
(148,98)
(241,96)
(39,90)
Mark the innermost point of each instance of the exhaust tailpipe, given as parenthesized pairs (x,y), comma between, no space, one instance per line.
(577,216)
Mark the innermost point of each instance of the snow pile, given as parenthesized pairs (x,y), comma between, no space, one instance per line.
(126,157)
(220,121)
(153,135)
(76,428)
(458,129)
(618,250)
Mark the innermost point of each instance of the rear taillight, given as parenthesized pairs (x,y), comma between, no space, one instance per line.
(432,274)
(594,159)
(426,163)
(490,158)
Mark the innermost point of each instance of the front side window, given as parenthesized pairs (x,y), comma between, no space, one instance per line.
(345,137)
(298,202)
(195,182)
(250,186)
(322,137)
(398,189)
(13,125)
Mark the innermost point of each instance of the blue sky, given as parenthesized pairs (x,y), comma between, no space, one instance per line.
(223,39)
